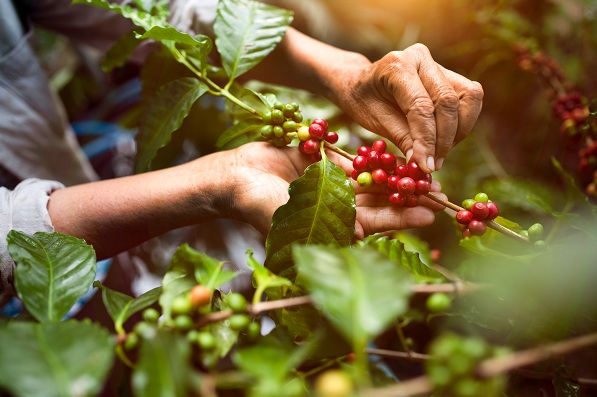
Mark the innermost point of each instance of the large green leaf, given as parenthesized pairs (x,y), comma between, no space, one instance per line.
(164,115)
(360,291)
(171,34)
(121,307)
(53,271)
(249,127)
(321,210)
(137,16)
(120,52)
(163,369)
(54,359)
(246,32)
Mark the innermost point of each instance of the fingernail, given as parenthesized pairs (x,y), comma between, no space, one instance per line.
(409,154)
(439,163)
(431,163)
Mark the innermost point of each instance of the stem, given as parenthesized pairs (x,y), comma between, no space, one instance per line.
(409,355)
(341,152)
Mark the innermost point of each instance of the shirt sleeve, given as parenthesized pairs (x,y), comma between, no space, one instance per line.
(23,209)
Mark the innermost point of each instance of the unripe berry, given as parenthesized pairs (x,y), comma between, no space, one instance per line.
(333,383)
(278,131)
(181,304)
(360,163)
(288,110)
(297,117)
(535,232)
(397,199)
(206,340)
(323,123)
(393,182)
(267,118)
(365,179)
(374,160)
(183,322)
(388,162)
(131,341)
(253,330)
(316,131)
(278,105)
(363,151)
(480,210)
(303,133)
(464,217)
(289,126)
(438,302)
(277,116)
(379,146)
(379,176)
(468,204)
(151,315)
(311,146)
(481,197)
(267,132)
(236,302)
(239,321)
(415,172)
(406,186)
(423,187)
(402,171)
(295,106)
(331,137)
(494,210)
(477,227)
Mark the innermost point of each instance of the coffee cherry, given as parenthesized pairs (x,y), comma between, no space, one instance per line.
(423,187)
(315,157)
(181,304)
(365,179)
(311,146)
(267,132)
(316,131)
(412,201)
(360,163)
(468,204)
(253,330)
(364,151)
(303,133)
(183,322)
(331,137)
(267,118)
(239,322)
(402,171)
(374,160)
(206,340)
(297,117)
(406,186)
(388,162)
(393,182)
(277,116)
(494,211)
(236,302)
(333,383)
(481,197)
(354,175)
(200,296)
(131,341)
(464,217)
(295,106)
(379,176)
(477,227)
(466,233)
(151,315)
(278,131)
(415,172)
(540,244)
(379,146)
(289,126)
(535,232)
(288,110)
(278,105)
(397,199)
(279,142)
(438,302)
(323,123)
(480,210)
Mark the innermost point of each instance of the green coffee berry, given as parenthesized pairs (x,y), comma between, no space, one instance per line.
(183,322)
(181,304)
(536,232)
(206,340)
(481,197)
(236,302)
(267,131)
(151,315)
(468,204)
(239,322)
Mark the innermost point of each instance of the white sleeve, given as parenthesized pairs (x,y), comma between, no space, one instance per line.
(23,209)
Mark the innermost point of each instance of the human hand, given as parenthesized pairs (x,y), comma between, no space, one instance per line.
(261,174)
(422,107)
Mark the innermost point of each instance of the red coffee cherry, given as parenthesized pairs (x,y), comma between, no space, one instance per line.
(423,187)
(466,233)
(464,217)
(316,131)
(477,227)
(480,210)
(379,176)
(374,160)
(360,163)
(323,123)
(412,201)
(415,172)
(407,186)
(316,156)
(402,171)
(379,146)
(355,174)
(364,151)
(331,137)
(397,199)
(388,162)
(393,182)
(494,210)
(311,146)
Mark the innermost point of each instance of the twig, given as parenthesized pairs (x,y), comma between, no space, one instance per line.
(410,355)
(458,288)
(341,152)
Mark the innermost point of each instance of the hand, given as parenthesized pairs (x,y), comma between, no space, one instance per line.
(408,98)
(262,174)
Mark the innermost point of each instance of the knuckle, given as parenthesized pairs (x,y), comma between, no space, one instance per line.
(447,100)
(475,91)
(422,106)
(419,48)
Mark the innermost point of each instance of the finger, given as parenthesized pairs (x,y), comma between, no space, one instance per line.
(375,220)
(470,95)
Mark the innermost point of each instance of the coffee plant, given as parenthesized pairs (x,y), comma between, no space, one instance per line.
(373,317)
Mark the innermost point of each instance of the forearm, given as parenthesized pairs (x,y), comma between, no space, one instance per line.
(118,214)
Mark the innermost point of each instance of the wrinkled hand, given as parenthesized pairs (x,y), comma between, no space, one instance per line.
(261,174)
(416,103)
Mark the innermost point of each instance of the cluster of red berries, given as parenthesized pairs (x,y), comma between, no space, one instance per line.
(310,138)
(405,183)
(572,111)
(539,63)
(587,167)
(472,219)
(281,123)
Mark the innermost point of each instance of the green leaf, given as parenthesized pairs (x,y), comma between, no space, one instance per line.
(246,32)
(359,290)
(54,359)
(396,251)
(137,16)
(321,210)
(263,278)
(163,369)
(120,52)
(53,271)
(249,127)
(164,115)
(121,307)
(170,34)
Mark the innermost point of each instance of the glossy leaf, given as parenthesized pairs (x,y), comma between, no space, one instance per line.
(321,210)
(53,271)
(163,369)
(395,250)
(164,115)
(249,128)
(170,34)
(121,307)
(263,278)
(360,291)
(120,52)
(246,32)
(54,359)
(137,16)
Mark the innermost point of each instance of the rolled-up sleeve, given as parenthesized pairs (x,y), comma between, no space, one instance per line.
(24,209)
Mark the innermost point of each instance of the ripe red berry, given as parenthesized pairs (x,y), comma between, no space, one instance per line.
(323,123)
(423,187)
(316,131)
(379,176)
(360,163)
(412,201)
(316,156)
(477,227)
(393,182)
(374,160)
(407,186)
(363,151)
(331,137)
(402,171)
(379,146)
(388,162)
(480,210)
(397,199)
(311,146)
(494,210)
(466,233)
(464,217)
(354,175)
(415,172)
